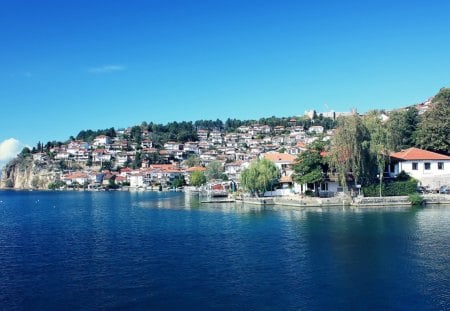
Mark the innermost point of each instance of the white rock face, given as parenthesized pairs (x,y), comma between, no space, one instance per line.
(26,174)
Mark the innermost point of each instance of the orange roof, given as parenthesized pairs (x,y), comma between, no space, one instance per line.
(286,179)
(418,154)
(75,175)
(196,168)
(277,157)
(164,167)
(301,145)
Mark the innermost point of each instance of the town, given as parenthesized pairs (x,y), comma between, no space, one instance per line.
(213,155)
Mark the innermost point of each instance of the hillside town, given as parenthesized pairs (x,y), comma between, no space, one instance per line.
(119,161)
(135,158)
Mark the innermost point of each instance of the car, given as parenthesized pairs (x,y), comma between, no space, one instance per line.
(444,190)
(422,189)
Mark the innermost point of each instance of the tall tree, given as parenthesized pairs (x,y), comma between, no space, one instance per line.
(259,175)
(350,149)
(434,129)
(402,126)
(310,165)
(192,160)
(197,179)
(214,171)
(379,143)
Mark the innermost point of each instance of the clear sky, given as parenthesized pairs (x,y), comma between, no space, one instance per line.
(73,65)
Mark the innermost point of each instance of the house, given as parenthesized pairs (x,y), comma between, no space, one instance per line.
(202,135)
(317,129)
(76,177)
(431,169)
(101,140)
(283,161)
(173,146)
(137,180)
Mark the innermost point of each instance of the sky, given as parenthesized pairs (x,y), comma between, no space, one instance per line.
(73,65)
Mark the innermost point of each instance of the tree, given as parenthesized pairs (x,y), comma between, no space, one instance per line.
(192,160)
(25,152)
(178,182)
(433,132)
(107,165)
(197,179)
(402,126)
(136,134)
(137,160)
(379,142)
(214,171)
(259,175)
(350,149)
(310,165)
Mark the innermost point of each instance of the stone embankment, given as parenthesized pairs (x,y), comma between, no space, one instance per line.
(298,201)
(381,201)
(340,201)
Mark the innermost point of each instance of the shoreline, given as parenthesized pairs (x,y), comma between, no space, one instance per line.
(292,201)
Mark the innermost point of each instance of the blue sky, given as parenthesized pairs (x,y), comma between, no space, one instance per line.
(73,65)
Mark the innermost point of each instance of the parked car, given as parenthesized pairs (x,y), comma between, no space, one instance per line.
(422,189)
(444,190)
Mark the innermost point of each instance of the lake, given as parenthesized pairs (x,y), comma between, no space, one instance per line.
(166,251)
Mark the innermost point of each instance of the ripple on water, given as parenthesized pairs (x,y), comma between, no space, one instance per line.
(165,250)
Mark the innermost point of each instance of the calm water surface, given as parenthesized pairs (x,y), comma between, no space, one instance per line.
(158,251)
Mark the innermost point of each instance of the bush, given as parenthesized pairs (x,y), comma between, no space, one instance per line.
(395,188)
(309,193)
(416,199)
(56,185)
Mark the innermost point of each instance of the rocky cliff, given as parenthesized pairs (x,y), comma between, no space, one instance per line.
(24,173)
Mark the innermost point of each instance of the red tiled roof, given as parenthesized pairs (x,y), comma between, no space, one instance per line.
(286,179)
(276,156)
(196,168)
(418,154)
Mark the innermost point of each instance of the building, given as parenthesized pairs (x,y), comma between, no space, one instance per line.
(431,169)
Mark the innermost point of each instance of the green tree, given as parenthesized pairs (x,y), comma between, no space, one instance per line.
(379,142)
(58,184)
(89,161)
(197,179)
(137,160)
(350,149)
(214,171)
(136,134)
(258,176)
(310,165)
(402,126)
(25,152)
(434,130)
(178,182)
(192,160)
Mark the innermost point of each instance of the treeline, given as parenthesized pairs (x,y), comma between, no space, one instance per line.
(89,135)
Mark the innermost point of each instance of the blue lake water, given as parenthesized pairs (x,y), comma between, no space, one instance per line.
(165,251)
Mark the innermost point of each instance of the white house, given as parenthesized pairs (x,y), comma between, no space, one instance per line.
(283,161)
(429,168)
(101,140)
(137,181)
(316,129)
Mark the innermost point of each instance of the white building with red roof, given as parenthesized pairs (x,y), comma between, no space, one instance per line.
(429,168)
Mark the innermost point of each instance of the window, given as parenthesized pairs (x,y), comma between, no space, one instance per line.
(440,165)
(427,165)
(414,166)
